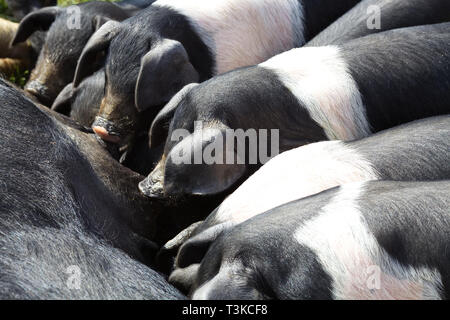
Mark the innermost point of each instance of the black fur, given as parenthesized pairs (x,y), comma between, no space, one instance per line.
(394,14)
(82,104)
(396,71)
(134,5)
(416,232)
(60,206)
(399,74)
(57,61)
(225,99)
(320,13)
(20,8)
(139,34)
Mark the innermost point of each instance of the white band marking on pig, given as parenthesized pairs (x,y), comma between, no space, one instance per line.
(319,78)
(243,32)
(349,252)
(293,175)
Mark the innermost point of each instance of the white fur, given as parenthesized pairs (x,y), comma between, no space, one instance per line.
(243,32)
(319,78)
(296,174)
(348,251)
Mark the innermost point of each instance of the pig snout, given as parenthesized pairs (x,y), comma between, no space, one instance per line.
(153,185)
(40,91)
(106,130)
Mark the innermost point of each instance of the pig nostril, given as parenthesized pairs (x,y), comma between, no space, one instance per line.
(31,90)
(104,134)
(151,189)
(39,92)
(34,92)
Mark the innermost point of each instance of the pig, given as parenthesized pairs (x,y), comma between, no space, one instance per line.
(62,214)
(312,94)
(360,241)
(172,43)
(68,32)
(417,151)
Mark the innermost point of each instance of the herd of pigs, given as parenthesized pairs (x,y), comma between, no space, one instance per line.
(355,206)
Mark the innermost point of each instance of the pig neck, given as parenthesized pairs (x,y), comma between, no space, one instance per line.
(238,32)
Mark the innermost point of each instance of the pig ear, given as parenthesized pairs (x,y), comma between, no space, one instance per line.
(165,69)
(168,252)
(41,19)
(214,179)
(194,249)
(201,179)
(62,103)
(160,126)
(99,42)
(99,21)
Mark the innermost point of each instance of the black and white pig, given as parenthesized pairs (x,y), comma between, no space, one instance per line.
(63,216)
(417,151)
(68,32)
(172,43)
(372,16)
(312,94)
(371,240)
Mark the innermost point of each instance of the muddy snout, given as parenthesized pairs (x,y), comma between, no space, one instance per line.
(106,130)
(152,186)
(40,91)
